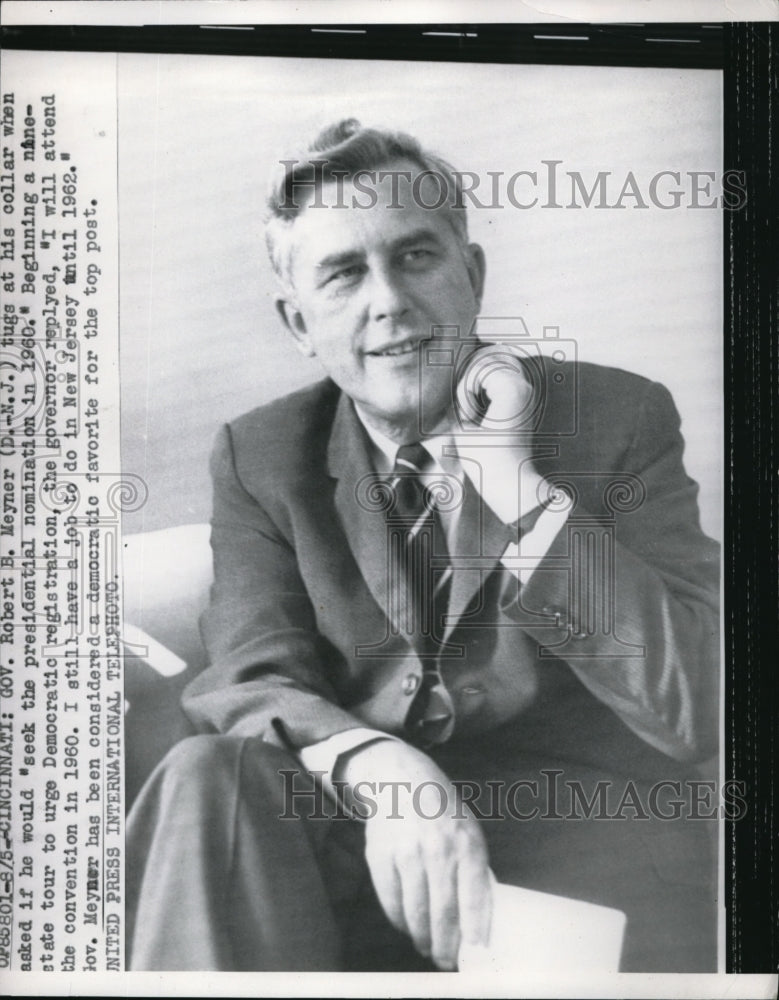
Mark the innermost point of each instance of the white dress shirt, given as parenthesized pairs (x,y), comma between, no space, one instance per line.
(520,559)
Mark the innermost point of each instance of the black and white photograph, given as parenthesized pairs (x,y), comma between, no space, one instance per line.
(482,301)
(397,507)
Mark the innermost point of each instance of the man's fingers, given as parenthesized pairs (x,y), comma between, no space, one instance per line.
(474,893)
(495,392)
(416,905)
(432,878)
(401,887)
(386,882)
(444,923)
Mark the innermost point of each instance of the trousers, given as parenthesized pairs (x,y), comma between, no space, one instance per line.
(222,874)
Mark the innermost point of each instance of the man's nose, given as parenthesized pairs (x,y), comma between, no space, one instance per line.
(389,298)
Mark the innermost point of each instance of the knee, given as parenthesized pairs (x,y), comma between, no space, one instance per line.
(195,754)
(213,772)
(216,755)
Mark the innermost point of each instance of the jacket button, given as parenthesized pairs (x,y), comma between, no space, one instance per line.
(410,683)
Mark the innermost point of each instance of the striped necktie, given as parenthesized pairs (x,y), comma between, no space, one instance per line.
(421,581)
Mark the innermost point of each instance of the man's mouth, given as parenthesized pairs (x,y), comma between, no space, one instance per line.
(395,350)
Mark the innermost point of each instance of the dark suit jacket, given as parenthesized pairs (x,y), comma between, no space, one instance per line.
(608,655)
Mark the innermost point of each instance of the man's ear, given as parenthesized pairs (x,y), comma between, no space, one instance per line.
(292,318)
(476,263)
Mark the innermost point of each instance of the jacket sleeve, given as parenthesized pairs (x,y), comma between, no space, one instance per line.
(628,597)
(268,661)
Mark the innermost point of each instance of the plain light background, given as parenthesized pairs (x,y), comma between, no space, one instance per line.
(200,343)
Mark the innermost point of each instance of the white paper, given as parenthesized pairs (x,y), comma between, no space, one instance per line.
(534,932)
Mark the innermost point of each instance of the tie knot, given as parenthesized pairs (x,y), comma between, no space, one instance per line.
(412,456)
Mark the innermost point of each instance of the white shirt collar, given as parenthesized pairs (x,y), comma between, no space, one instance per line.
(385,450)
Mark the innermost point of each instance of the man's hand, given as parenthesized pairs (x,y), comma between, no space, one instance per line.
(496,451)
(431,875)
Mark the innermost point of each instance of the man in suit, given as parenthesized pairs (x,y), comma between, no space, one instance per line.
(454,571)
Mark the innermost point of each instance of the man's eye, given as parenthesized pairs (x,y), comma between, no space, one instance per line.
(419,255)
(345,273)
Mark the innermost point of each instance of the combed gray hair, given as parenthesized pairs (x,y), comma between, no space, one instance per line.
(340,151)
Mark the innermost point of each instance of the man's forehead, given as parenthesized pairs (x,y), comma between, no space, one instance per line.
(387,204)
(320,237)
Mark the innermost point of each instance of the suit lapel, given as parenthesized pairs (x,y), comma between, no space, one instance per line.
(480,540)
(360,510)
(481,537)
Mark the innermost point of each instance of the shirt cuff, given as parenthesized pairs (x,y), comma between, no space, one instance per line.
(523,558)
(323,757)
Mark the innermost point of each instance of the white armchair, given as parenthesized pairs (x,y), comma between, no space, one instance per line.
(167,575)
